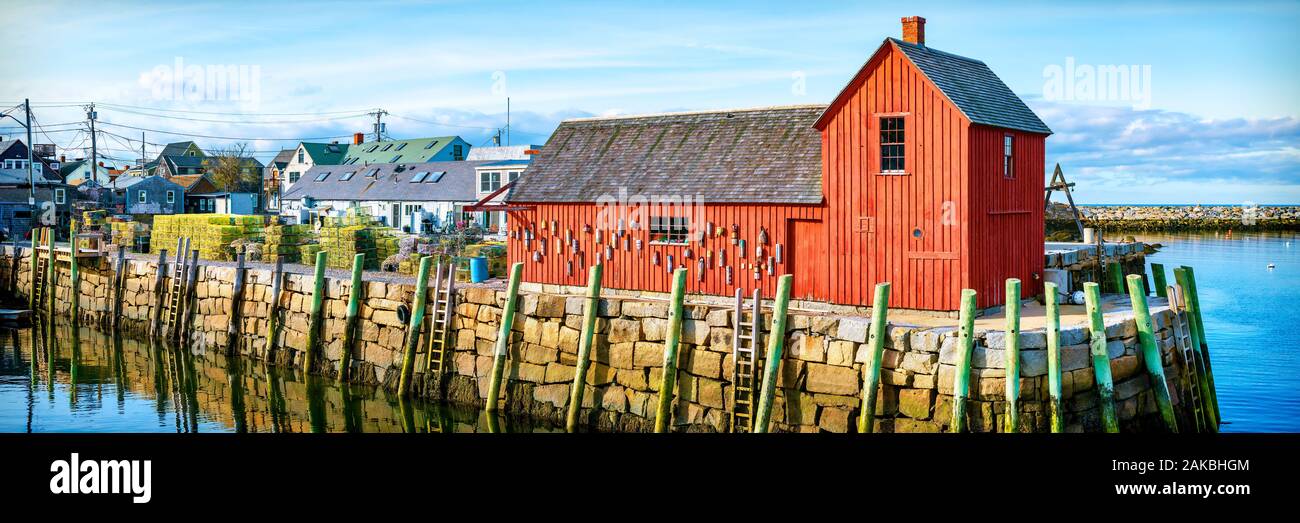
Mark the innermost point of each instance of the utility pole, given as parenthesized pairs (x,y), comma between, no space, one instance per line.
(507,120)
(31,179)
(142,159)
(94,156)
(379,124)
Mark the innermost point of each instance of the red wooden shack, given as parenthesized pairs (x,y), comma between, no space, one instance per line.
(926,171)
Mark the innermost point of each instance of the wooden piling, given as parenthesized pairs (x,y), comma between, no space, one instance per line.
(1115,272)
(31,296)
(875,354)
(1100,358)
(668,379)
(119,281)
(1186,278)
(584,346)
(1012,356)
(233,330)
(1150,353)
(965,346)
(775,346)
(414,324)
(317,301)
(74,275)
(1053,318)
(155,312)
(354,310)
(185,319)
(503,336)
(273,315)
(1158,275)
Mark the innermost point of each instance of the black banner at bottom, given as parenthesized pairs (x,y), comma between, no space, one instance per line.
(547,476)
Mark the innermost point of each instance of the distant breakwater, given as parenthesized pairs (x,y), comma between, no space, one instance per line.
(1177,218)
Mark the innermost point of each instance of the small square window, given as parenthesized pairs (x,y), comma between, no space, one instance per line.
(322,176)
(171,196)
(419,177)
(434,177)
(347,176)
(60,196)
(144,196)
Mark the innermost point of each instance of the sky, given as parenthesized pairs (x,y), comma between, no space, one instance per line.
(1207,112)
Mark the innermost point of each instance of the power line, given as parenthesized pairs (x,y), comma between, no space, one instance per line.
(362,111)
(255,122)
(172,133)
(443,124)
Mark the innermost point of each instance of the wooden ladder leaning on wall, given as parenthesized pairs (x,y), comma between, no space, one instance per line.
(439,320)
(38,279)
(1186,351)
(745,348)
(177,288)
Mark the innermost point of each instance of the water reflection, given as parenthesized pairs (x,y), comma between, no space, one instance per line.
(155,386)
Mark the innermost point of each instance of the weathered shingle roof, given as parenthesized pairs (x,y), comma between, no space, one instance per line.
(974,89)
(762,155)
(389,184)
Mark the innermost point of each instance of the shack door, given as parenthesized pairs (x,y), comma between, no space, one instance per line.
(806,260)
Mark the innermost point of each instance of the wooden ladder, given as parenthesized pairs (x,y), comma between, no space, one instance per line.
(439,319)
(41,265)
(174,298)
(1187,352)
(747,338)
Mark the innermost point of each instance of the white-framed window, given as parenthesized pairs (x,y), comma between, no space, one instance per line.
(60,196)
(301,155)
(489,181)
(171,196)
(1008,167)
(669,229)
(893,156)
(143,196)
(293,176)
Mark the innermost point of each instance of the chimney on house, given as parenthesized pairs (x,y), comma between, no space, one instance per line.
(357,138)
(63,158)
(914,30)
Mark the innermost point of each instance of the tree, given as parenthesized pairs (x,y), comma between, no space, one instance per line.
(232,170)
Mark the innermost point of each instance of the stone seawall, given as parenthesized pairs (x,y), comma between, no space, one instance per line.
(820,378)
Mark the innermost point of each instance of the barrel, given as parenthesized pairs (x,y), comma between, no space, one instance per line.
(478,269)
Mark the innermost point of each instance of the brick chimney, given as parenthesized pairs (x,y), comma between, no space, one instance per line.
(914,30)
(357,138)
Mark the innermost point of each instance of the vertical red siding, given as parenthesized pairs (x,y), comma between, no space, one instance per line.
(632,269)
(926,271)
(1007,214)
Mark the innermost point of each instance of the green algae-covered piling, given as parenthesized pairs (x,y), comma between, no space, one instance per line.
(414,324)
(1053,319)
(1116,276)
(159,276)
(668,379)
(1013,356)
(354,309)
(1158,276)
(875,353)
(584,346)
(233,330)
(775,346)
(119,280)
(74,289)
(503,336)
(1100,358)
(317,301)
(965,345)
(273,315)
(1150,353)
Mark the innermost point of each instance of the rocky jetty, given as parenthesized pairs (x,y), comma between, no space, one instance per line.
(1178,217)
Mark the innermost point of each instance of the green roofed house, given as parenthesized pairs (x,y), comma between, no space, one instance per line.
(415,150)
